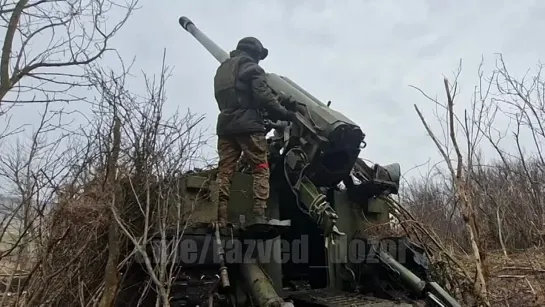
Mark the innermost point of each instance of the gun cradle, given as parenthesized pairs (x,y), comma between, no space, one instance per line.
(330,140)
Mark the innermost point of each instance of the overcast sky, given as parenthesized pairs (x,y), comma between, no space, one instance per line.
(361,55)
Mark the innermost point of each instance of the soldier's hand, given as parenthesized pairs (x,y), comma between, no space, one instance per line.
(279,125)
(268,124)
(288,102)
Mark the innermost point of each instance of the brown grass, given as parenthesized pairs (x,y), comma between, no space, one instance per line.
(517,281)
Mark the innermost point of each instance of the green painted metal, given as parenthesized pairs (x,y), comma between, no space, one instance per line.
(259,286)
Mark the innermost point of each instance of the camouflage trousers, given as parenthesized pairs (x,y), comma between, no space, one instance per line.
(254,147)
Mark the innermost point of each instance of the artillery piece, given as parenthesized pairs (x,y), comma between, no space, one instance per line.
(331,258)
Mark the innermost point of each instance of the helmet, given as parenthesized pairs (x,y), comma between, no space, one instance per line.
(254,46)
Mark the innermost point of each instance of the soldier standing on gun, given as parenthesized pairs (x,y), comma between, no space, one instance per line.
(242,93)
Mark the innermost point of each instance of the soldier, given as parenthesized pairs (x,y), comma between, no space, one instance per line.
(242,94)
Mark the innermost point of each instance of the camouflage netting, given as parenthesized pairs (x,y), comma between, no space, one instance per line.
(75,252)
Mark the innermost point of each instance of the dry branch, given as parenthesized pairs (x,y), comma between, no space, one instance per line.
(461,188)
(48,43)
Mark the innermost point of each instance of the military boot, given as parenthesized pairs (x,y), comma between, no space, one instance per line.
(258,225)
(259,216)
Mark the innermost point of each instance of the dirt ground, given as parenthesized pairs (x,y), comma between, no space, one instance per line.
(518,280)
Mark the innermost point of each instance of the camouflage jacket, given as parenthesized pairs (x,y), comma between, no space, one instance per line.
(242,95)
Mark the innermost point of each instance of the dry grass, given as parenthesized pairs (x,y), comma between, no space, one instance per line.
(77,231)
(515,281)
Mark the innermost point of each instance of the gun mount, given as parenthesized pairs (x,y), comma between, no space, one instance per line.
(308,159)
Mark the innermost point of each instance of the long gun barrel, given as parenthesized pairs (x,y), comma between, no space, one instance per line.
(260,287)
(212,47)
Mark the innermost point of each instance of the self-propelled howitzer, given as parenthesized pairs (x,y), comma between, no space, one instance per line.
(341,267)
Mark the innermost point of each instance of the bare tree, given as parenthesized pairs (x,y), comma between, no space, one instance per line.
(130,181)
(84,198)
(31,172)
(460,178)
(496,176)
(48,43)
(150,151)
(91,202)
(507,171)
